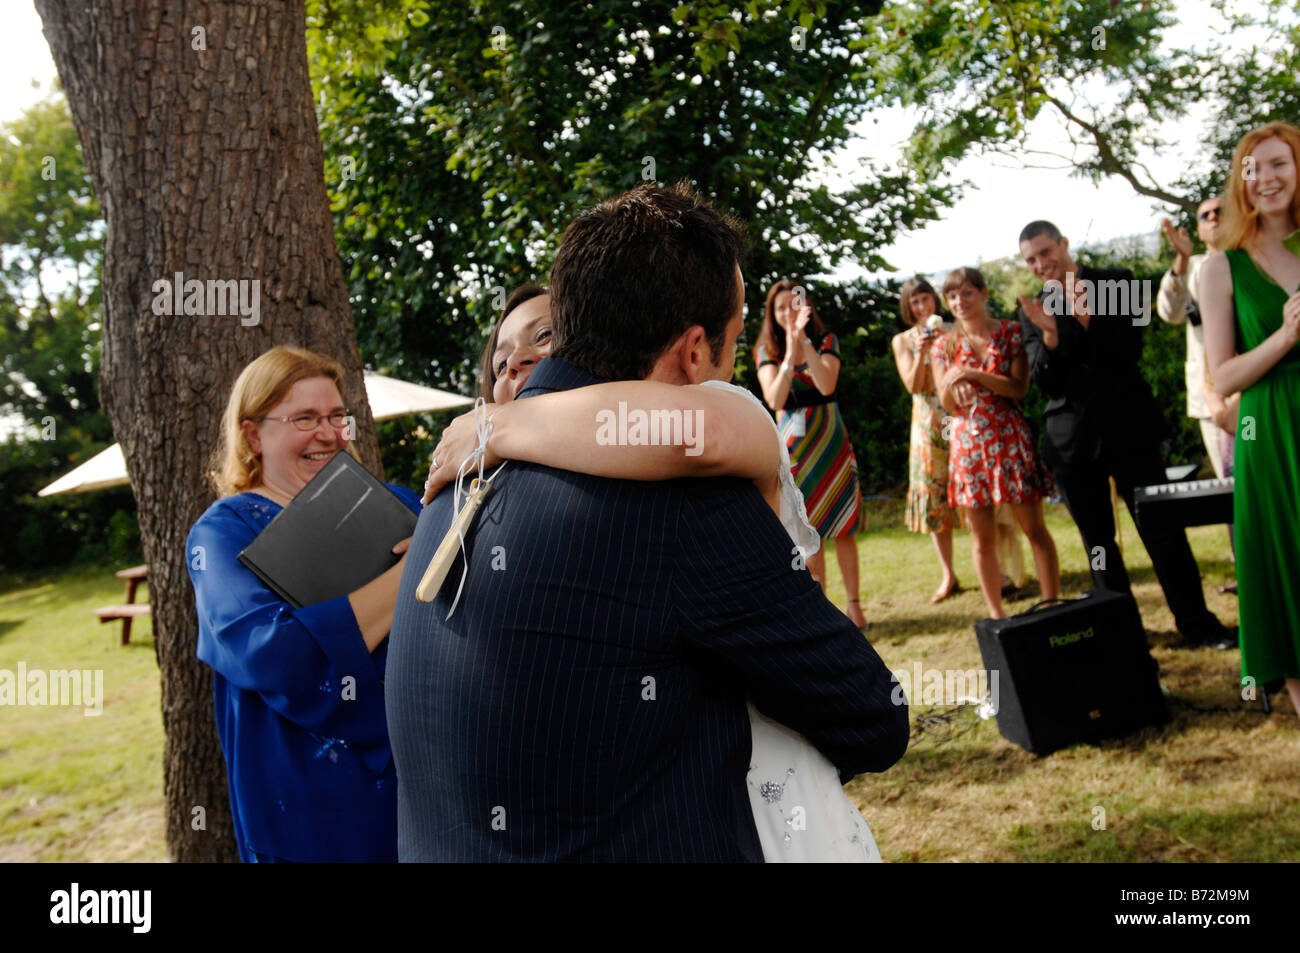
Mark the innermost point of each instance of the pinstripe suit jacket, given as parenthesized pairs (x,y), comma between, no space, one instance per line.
(587,699)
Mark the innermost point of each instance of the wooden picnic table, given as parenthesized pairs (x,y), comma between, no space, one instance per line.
(130,608)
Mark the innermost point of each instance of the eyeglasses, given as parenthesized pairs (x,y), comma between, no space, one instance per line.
(1205,216)
(338,420)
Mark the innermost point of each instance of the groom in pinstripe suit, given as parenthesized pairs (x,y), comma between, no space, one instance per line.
(586,701)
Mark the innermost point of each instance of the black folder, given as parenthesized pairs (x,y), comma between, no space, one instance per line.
(335,536)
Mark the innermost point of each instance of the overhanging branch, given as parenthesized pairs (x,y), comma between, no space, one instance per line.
(1112,165)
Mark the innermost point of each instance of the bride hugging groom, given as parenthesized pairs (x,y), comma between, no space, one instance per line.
(639,667)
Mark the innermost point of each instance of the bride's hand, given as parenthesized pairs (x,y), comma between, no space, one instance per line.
(458,442)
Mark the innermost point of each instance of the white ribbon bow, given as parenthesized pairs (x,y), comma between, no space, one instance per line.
(482,432)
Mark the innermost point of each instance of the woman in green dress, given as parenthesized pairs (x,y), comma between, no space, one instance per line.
(1258,277)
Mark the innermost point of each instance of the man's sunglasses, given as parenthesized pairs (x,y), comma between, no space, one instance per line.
(1205,216)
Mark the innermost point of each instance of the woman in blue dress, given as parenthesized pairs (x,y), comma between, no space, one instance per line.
(298,692)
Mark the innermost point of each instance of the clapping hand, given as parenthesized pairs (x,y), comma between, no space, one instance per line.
(1045,322)
(794,324)
(801,318)
(1081,312)
(1291,318)
(1180,240)
(796,319)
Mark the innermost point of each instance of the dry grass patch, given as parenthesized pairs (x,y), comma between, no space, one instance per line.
(1209,786)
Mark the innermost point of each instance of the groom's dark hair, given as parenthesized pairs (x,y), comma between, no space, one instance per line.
(633,273)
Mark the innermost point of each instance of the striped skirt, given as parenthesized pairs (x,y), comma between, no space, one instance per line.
(825,469)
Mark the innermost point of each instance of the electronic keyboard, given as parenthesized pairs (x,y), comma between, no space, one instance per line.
(1189,503)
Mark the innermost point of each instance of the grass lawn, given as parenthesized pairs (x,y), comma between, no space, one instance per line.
(77,786)
(1208,786)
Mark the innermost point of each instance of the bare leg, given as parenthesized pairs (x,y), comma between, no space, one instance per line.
(846,553)
(943,546)
(984,546)
(1293,687)
(1010,558)
(1030,517)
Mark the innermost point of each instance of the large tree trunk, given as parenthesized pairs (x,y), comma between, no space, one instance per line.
(198,129)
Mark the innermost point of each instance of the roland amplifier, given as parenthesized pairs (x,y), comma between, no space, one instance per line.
(1072,670)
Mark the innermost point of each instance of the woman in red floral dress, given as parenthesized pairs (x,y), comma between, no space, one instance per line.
(992,458)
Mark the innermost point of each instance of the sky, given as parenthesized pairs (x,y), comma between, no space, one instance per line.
(1005,195)
(983,225)
(24,56)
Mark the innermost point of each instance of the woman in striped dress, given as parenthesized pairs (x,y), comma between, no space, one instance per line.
(798,367)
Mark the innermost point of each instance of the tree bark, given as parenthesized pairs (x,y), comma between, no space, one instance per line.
(198,130)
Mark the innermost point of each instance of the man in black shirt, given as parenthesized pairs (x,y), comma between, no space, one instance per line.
(1083,338)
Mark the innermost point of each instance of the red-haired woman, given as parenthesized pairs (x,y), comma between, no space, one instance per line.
(1250,305)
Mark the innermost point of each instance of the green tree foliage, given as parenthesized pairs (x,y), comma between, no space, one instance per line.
(1246,89)
(460,140)
(50,249)
(457,165)
(458,155)
(50,253)
(1257,86)
(59,530)
(982,71)
(1008,279)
